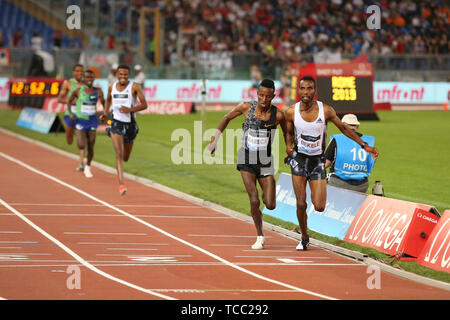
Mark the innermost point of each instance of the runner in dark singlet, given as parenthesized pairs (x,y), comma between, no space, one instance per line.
(255,161)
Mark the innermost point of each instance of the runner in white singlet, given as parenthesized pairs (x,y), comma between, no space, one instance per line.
(309,118)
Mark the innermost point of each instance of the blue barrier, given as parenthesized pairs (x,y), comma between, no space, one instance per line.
(37,120)
(341,208)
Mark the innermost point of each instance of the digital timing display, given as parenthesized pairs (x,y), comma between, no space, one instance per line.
(32,92)
(35,88)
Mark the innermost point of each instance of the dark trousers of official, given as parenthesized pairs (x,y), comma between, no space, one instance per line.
(349,185)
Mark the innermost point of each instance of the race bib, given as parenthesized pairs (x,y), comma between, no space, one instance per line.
(88,109)
(257,139)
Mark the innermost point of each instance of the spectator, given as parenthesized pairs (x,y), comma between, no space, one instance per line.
(139,76)
(17,38)
(350,165)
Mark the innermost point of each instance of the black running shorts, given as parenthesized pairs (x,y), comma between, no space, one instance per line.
(128,130)
(312,168)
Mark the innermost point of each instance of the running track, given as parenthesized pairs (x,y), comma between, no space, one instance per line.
(151,245)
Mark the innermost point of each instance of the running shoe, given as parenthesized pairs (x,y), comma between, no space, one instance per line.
(303,245)
(80,167)
(122,190)
(87,172)
(259,244)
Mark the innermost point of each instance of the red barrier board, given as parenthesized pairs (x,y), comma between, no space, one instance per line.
(436,252)
(384,224)
(422,225)
(52,105)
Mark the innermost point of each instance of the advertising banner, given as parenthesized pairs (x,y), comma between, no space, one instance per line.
(38,120)
(383,224)
(436,252)
(341,208)
(411,92)
(167,107)
(4,89)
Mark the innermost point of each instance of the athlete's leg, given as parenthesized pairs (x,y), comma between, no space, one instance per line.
(299,185)
(318,194)
(69,134)
(127,147)
(268,188)
(117,141)
(90,146)
(249,180)
(81,144)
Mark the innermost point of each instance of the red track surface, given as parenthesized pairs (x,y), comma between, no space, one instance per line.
(151,245)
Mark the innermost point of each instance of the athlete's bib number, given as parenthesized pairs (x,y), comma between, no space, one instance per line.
(88,109)
(257,139)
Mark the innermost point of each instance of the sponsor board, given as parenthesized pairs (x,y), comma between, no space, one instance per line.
(436,252)
(168,107)
(52,105)
(383,224)
(341,208)
(411,92)
(4,89)
(38,120)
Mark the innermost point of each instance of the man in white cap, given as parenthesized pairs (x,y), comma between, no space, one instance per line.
(350,165)
(112,76)
(139,76)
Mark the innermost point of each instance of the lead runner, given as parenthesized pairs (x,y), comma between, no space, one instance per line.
(123,95)
(310,118)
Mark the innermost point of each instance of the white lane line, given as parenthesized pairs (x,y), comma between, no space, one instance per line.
(11,232)
(99,205)
(77,257)
(108,233)
(127,243)
(132,249)
(18,242)
(251,273)
(114,215)
(222,236)
(276,257)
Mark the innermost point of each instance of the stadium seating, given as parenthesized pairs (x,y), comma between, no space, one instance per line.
(13,18)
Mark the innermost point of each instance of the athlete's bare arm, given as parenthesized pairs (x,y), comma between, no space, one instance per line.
(241,108)
(62,96)
(330,115)
(107,104)
(289,119)
(73,97)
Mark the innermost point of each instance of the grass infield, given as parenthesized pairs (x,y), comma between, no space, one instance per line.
(413,165)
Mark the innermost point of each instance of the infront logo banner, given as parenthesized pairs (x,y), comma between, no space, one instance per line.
(383,224)
(436,252)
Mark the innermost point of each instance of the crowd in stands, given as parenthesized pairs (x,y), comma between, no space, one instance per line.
(288,29)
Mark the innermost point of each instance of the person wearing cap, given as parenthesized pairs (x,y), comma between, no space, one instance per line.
(350,165)
(139,76)
(112,78)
